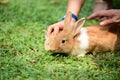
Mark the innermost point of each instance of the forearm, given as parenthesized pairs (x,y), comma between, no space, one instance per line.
(75,6)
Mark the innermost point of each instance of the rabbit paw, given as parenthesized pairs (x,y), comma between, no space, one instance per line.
(81,55)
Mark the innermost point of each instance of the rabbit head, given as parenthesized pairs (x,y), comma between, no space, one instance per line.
(63,41)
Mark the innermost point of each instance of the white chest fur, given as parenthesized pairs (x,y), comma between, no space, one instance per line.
(84,43)
(83,38)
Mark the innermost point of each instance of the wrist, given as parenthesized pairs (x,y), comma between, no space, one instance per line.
(74,17)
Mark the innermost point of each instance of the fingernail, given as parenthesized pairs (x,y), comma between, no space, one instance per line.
(102,23)
(88,17)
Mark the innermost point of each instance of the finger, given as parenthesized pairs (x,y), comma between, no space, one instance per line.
(94,15)
(98,14)
(50,29)
(56,29)
(106,22)
(102,18)
(61,27)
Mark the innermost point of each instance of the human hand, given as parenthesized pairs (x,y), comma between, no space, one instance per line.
(60,25)
(51,28)
(107,16)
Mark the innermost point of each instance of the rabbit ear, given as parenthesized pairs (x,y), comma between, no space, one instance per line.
(78,25)
(68,18)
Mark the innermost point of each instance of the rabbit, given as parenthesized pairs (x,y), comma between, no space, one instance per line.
(78,40)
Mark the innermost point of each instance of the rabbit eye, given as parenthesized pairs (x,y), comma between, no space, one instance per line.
(63,41)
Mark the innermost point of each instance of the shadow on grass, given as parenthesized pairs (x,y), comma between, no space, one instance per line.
(59,54)
(64,55)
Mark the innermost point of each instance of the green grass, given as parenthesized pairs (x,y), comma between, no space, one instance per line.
(22,54)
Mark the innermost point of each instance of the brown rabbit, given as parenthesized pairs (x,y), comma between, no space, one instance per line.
(78,40)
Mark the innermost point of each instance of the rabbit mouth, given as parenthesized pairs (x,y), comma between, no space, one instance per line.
(53,51)
(57,51)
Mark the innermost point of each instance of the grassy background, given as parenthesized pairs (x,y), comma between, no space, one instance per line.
(22,54)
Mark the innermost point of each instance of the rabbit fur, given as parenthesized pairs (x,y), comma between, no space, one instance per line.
(78,40)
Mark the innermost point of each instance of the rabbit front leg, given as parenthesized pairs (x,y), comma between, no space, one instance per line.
(79,53)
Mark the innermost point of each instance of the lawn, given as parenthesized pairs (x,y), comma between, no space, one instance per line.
(22,54)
